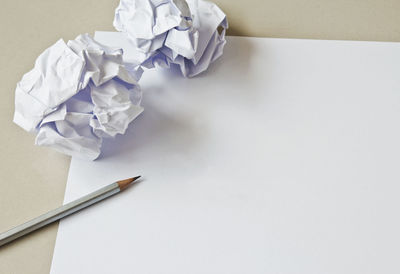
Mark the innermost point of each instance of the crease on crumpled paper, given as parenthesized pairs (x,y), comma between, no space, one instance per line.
(76,94)
(190,34)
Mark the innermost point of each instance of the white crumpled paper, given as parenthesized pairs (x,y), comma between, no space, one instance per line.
(189,33)
(76,94)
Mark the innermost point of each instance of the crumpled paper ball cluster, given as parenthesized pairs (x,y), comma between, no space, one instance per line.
(77,93)
(82,91)
(190,34)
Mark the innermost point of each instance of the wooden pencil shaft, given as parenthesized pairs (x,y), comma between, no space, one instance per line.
(58,213)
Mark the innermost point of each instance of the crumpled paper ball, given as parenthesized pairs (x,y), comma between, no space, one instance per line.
(76,94)
(190,34)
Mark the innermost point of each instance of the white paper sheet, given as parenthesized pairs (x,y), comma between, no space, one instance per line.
(282,158)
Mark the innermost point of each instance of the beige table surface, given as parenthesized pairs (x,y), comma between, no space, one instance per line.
(32,179)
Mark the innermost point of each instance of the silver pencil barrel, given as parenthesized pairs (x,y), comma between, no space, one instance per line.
(58,213)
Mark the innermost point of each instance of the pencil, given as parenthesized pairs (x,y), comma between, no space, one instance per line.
(65,210)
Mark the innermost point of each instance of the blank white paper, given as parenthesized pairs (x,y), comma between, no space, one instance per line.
(282,158)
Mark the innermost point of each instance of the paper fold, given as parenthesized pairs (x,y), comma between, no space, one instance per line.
(190,34)
(76,94)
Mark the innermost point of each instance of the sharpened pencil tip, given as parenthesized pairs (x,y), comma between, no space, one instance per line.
(125,183)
